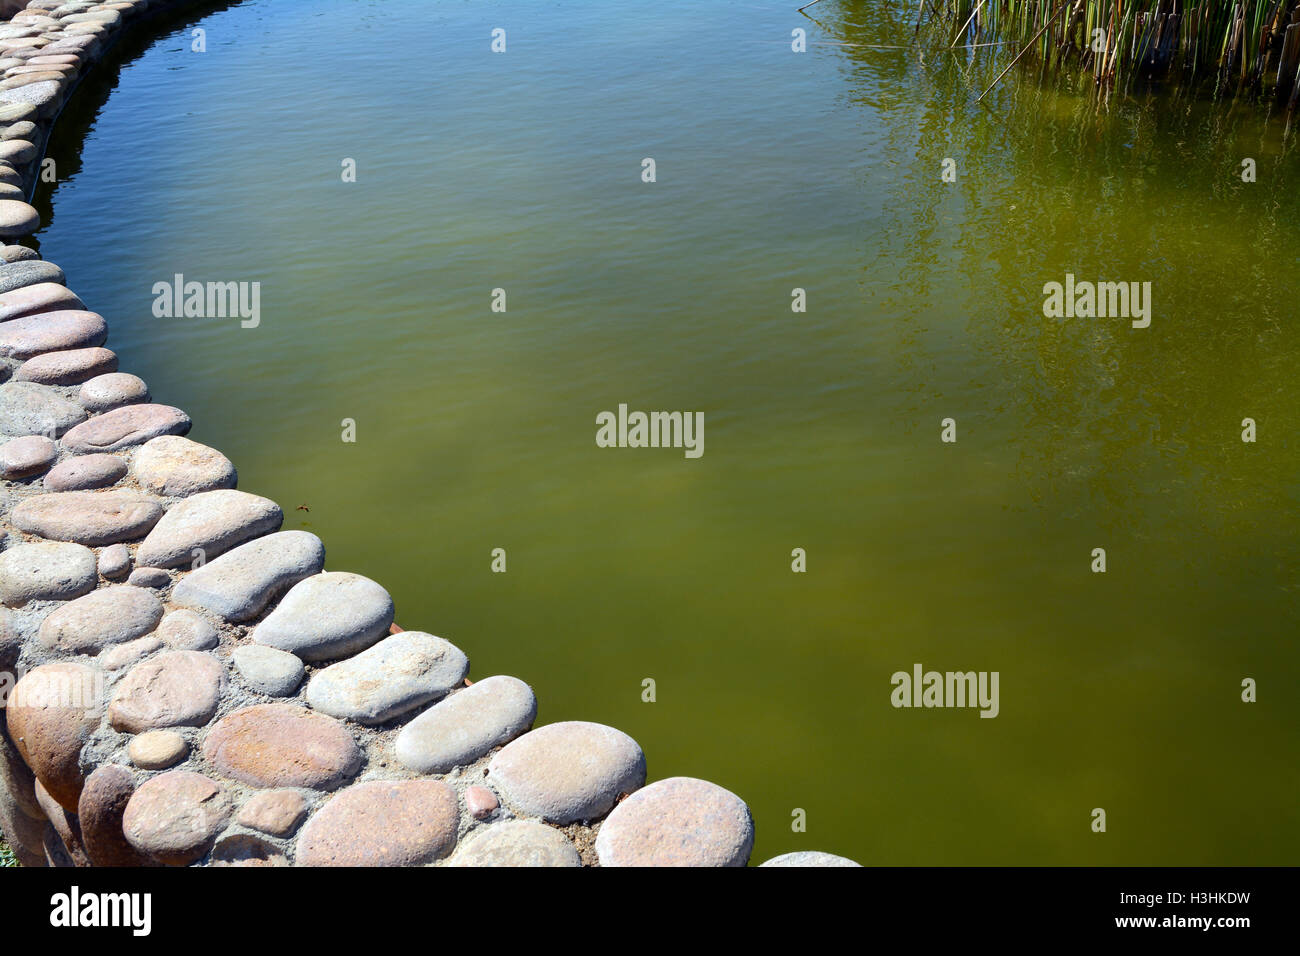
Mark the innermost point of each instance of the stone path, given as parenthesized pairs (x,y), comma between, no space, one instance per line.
(250,707)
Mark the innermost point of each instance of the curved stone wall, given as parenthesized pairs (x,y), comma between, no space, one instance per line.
(190,685)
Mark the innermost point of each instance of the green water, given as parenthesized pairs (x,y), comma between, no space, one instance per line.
(476,429)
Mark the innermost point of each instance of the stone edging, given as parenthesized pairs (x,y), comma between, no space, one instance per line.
(193,687)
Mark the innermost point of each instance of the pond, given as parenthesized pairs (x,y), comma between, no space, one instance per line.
(824,171)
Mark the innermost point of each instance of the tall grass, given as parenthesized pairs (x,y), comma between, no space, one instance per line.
(1241,47)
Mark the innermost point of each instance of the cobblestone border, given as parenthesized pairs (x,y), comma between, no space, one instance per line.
(185,682)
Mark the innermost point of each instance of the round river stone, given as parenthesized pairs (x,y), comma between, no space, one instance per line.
(85,472)
(279,745)
(124,427)
(680,821)
(175,817)
(110,615)
(211,522)
(382,823)
(174,689)
(240,583)
(396,675)
(517,843)
(50,332)
(457,731)
(87,517)
(809,858)
(570,771)
(46,572)
(51,713)
(328,615)
(71,367)
(26,456)
(176,467)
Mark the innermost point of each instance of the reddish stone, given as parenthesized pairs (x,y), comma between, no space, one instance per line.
(65,825)
(277,812)
(174,817)
(480,802)
(52,712)
(100,810)
(280,745)
(175,689)
(382,823)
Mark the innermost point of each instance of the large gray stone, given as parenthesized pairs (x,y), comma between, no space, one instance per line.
(71,367)
(461,729)
(46,572)
(110,615)
(396,675)
(327,616)
(268,671)
(210,523)
(46,297)
(26,456)
(112,390)
(240,583)
(124,427)
(567,772)
(176,467)
(87,517)
(17,275)
(32,334)
(809,858)
(85,472)
(680,821)
(28,408)
(517,843)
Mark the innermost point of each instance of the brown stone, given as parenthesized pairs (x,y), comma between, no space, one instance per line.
(51,332)
(157,749)
(42,297)
(280,745)
(480,802)
(65,825)
(86,517)
(173,689)
(70,367)
(277,812)
(85,471)
(382,823)
(52,712)
(124,427)
(175,816)
(26,456)
(100,810)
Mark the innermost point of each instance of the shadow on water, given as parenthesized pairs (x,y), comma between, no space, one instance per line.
(79,117)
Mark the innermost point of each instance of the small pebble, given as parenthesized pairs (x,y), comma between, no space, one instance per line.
(155,578)
(157,749)
(115,562)
(26,456)
(480,802)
